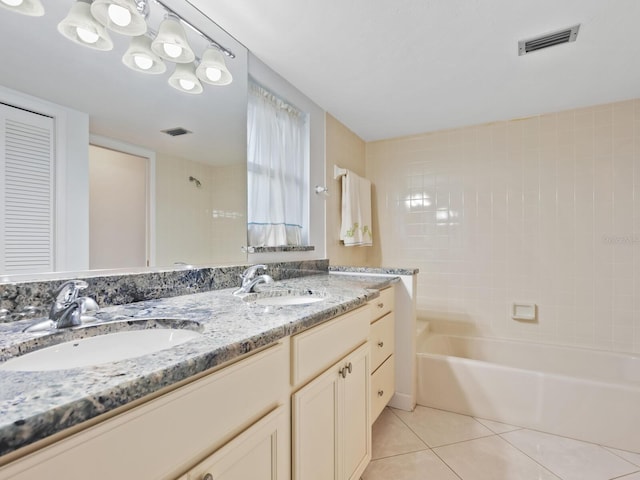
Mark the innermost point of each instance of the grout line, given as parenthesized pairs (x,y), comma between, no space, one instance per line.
(624,476)
(467,440)
(400,454)
(448,466)
(620,456)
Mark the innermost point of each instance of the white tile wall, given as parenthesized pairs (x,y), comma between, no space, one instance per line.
(201,226)
(543,209)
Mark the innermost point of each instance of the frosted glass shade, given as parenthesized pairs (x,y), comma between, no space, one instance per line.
(171,42)
(184,79)
(140,57)
(33,8)
(212,68)
(80,27)
(120,16)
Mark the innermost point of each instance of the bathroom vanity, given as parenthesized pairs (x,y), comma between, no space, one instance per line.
(273,392)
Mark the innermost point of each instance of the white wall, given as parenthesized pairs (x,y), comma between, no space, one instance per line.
(275,83)
(542,210)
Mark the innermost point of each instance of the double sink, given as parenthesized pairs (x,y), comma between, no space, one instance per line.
(86,346)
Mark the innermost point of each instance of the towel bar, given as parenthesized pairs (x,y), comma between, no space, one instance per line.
(338,172)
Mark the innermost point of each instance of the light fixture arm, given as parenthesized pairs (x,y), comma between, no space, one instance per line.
(224,50)
(143,8)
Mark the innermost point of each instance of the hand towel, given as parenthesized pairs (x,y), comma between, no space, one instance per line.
(356,211)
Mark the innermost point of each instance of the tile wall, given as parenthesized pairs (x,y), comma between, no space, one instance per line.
(199,225)
(544,210)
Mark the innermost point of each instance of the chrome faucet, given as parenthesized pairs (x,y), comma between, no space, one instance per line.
(67,309)
(249,279)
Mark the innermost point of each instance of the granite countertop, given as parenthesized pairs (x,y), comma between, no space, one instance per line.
(35,405)
(373,270)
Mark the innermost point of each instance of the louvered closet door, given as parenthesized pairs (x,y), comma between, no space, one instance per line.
(26,191)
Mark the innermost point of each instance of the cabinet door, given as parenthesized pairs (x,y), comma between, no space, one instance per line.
(331,422)
(356,426)
(259,453)
(315,428)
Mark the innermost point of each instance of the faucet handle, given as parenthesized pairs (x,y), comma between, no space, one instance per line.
(68,291)
(250,272)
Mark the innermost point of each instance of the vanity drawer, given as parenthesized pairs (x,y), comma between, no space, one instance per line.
(382,387)
(382,340)
(316,349)
(383,304)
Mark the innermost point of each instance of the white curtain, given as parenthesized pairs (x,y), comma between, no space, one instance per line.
(276,164)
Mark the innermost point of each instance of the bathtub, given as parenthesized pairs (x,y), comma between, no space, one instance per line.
(578,393)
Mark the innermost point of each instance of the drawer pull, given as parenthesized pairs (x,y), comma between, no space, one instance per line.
(348,368)
(208,476)
(380,305)
(380,393)
(381,344)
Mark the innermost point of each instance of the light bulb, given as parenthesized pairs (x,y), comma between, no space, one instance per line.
(213,74)
(119,15)
(187,84)
(12,3)
(173,51)
(143,62)
(87,36)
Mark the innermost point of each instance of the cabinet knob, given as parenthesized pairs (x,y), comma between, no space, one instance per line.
(208,476)
(350,367)
(381,344)
(380,393)
(380,305)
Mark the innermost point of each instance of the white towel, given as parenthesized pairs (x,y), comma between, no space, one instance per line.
(356,211)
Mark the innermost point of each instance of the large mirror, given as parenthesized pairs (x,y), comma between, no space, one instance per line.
(191,187)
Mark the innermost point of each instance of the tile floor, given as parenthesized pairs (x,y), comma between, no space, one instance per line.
(430,444)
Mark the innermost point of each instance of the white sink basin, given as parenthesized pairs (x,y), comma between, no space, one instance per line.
(100,349)
(284,297)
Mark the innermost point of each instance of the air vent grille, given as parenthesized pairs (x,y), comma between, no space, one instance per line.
(176,132)
(549,40)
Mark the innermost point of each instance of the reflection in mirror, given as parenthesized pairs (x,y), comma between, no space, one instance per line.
(166,183)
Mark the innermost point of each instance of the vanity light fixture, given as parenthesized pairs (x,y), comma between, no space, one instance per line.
(171,42)
(87,22)
(32,8)
(184,79)
(212,69)
(81,27)
(127,17)
(140,57)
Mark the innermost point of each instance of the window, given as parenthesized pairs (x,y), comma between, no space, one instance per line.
(277,157)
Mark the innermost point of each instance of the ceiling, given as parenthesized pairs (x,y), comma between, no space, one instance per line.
(400,67)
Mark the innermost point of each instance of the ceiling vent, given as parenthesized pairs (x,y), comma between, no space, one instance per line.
(176,132)
(549,40)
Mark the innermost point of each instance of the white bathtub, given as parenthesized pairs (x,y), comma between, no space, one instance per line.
(584,394)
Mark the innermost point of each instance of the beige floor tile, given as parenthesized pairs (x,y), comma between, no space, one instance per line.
(628,456)
(423,465)
(497,427)
(392,437)
(491,458)
(437,427)
(570,459)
